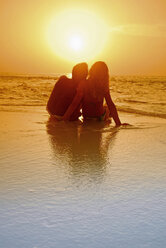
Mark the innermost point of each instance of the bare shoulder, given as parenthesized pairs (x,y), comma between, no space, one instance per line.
(63,77)
(62,80)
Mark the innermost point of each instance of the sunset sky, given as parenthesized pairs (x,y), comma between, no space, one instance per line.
(38,36)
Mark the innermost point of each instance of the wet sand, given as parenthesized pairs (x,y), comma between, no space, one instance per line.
(74,185)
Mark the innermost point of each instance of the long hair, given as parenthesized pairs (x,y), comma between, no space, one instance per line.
(98,80)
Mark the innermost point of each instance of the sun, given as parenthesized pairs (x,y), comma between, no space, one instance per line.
(76,35)
(76,42)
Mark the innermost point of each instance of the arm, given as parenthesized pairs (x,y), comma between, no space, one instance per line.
(75,103)
(112,109)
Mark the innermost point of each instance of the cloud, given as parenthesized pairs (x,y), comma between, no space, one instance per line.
(141,30)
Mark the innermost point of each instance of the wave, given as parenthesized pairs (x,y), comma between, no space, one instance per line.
(134,101)
(30,77)
(23,104)
(140,112)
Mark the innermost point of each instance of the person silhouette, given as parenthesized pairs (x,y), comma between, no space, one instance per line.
(64,92)
(92,94)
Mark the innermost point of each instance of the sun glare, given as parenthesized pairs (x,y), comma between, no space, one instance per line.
(76,42)
(76,35)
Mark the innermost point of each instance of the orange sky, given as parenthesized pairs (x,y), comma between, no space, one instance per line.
(135,45)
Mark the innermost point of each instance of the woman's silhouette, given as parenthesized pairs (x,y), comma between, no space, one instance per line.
(91,95)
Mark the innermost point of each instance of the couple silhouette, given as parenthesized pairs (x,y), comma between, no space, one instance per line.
(84,95)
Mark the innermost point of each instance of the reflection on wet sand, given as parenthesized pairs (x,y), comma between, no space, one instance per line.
(83,145)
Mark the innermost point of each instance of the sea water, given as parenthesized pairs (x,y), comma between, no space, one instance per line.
(82,185)
(135,94)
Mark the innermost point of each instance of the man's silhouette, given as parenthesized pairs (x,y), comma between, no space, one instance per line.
(64,92)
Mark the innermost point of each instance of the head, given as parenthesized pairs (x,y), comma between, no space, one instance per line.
(99,70)
(80,72)
(99,78)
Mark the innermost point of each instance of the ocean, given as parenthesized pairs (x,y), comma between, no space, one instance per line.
(134,94)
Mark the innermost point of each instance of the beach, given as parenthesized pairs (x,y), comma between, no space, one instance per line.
(81,185)
(84,183)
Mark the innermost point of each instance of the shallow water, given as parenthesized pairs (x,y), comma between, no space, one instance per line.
(73,185)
